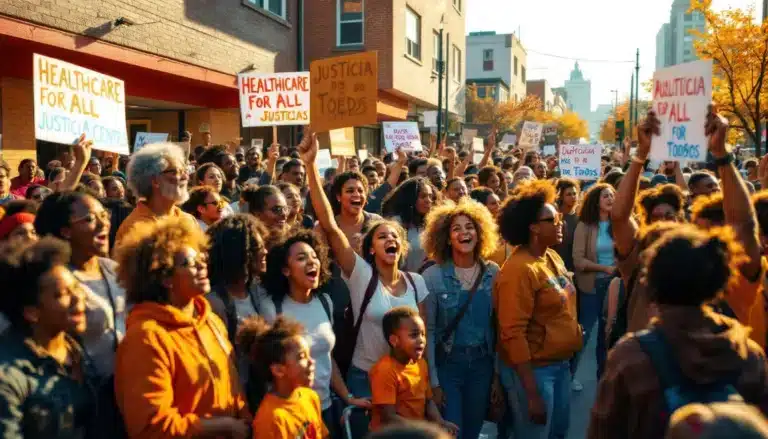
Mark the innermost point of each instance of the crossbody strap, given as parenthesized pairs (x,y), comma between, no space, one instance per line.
(413,285)
(455,322)
(366,301)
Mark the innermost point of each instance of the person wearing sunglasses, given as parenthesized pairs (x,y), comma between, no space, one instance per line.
(268,205)
(535,303)
(206,205)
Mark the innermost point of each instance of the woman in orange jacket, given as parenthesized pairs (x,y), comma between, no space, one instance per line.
(175,375)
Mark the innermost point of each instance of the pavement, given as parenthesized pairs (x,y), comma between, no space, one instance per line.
(581,402)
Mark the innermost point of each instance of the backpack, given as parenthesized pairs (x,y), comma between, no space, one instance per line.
(677,389)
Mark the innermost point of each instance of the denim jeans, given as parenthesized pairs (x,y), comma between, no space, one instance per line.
(465,378)
(359,385)
(590,311)
(554,385)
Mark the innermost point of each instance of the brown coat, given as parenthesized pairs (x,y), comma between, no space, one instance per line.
(584,251)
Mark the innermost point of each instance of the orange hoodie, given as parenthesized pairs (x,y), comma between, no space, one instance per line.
(173,370)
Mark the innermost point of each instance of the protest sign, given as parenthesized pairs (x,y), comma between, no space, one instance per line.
(344,91)
(581,162)
(362,153)
(681,96)
(403,135)
(550,134)
(70,100)
(274,99)
(323,160)
(430,119)
(478,149)
(340,142)
(530,136)
(549,150)
(257,143)
(143,139)
(510,139)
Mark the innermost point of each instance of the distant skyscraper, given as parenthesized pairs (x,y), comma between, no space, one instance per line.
(579,93)
(674,42)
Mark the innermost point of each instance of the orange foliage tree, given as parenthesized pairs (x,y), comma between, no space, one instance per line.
(608,128)
(739,48)
(501,116)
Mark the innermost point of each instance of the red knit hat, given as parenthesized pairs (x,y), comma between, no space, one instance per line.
(9,223)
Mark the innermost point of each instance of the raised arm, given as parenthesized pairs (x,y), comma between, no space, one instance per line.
(396,168)
(488,150)
(345,254)
(82,152)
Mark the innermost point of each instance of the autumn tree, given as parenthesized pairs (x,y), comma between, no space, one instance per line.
(739,49)
(608,128)
(501,116)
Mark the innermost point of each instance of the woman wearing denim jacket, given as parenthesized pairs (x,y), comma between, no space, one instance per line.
(460,238)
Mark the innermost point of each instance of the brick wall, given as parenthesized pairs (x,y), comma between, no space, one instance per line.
(18,121)
(222,35)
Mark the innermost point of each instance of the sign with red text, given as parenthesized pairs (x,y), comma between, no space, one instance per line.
(71,100)
(344,91)
(401,135)
(268,99)
(581,162)
(681,96)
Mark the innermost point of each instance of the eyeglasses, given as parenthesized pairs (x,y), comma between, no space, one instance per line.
(91,218)
(279,210)
(197,262)
(557,219)
(220,203)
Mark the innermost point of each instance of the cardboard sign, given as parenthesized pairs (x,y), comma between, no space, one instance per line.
(581,162)
(341,142)
(478,149)
(344,91)
(257,143)
(71,100)
(274,99)
(430,119)
(467,134)
(681,95)
(143,139)
(530,136)
(402,135)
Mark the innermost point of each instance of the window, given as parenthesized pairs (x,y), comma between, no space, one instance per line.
(487,60)
(435,50)
(349,17)
(457,4)
(481,92)
(522,73)
(412,33)
(457,73)
(276,7)
(515,66)
(503,95)
(688,16)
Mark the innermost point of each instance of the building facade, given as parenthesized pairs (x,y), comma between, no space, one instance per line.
(674,41)
(579,92)
(406,35)
(179,60)
(540,88)
(500,58)
(560,106)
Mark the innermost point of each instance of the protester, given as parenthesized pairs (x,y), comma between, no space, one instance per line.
(567,204)
(409,205)
(269,206)
(206,205)
(296,217)
(27,177)
(5,184)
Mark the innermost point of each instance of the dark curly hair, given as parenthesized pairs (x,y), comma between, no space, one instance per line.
(760,203)
(54,212)
(367,242)
(197,196)
(274,281)
(486,173)
(522,209)
(563,184)
(203,169)
(589,213)
(648,199)
(391,321)
(709,208)
(689,266)
(235,243)
(613,178)
(18,206)
(256,197)
(481,194)
(338,185)
(402,201)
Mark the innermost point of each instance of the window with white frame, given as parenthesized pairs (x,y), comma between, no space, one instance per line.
(276,7)
(435,50)
(487,60)
(457,73)
(412,33)
(349,22)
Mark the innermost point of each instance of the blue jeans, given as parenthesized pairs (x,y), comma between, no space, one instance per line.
(591,311)
(358,382)
(465,378)
(554,385)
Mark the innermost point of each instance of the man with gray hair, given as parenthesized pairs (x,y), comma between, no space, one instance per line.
(157,175)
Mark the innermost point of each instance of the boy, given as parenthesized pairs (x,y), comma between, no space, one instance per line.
(400,380)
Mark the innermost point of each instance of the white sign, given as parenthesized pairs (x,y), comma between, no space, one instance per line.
(531,134)
(403,135)
(257,143)
(681,96)
(510,139)
(478,148)
(549,150)
(71,100)
(430,119)
(274,98)
(581,162)
(363,154)
(323,160)
(143,139)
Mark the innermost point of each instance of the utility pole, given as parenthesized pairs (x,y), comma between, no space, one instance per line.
(440,85)
(447,69)
(637,83)
(631,104)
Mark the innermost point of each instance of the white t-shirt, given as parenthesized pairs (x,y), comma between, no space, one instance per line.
(319,335)
(371,345)
(244,308)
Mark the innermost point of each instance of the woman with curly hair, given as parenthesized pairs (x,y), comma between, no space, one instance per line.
(296,267)
(567,204)
(686,269)
(662,203)
(206,205)
(175,374)
(375,282)
(409,205)
(296,217)
(535,304)
(460,338)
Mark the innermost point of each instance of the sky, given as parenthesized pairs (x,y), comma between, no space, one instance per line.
(588,30)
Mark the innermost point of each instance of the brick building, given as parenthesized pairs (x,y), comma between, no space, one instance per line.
(405,34)
(179,60)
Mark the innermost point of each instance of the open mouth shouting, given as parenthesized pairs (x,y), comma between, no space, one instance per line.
(391,249)
(313,276)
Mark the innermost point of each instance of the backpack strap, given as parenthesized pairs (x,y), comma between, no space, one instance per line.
(366,301)
(654,345)
(278,303)
(413,285)
(326,306)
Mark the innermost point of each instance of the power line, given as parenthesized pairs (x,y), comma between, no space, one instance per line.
(613,61)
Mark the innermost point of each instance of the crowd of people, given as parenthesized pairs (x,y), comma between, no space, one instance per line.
(244,293)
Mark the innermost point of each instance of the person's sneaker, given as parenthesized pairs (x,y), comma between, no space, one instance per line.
(576,386)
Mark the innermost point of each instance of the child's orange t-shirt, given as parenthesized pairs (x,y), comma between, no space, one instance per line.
(298,417)
(406,386)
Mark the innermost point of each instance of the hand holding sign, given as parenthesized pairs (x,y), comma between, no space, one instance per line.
(716,129)
(308,147)
(82,149)
(650,127)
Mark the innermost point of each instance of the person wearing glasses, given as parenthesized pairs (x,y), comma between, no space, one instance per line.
(157,176)
(206,205)
(535,303)
(268,205)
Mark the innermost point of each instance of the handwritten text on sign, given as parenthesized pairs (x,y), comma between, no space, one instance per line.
(274,98)
(401,135)
(531,134)
(344,91)
(681,95)
(71,100)
(580,161)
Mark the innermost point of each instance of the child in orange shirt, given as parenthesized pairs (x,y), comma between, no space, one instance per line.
(282,367)
(400,380)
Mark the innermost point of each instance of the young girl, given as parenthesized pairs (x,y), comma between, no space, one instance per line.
(281,363)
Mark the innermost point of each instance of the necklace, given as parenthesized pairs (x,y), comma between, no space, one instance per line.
(465,280)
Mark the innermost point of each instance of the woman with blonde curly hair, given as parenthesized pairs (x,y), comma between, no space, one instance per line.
(175,375)
(460,239)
